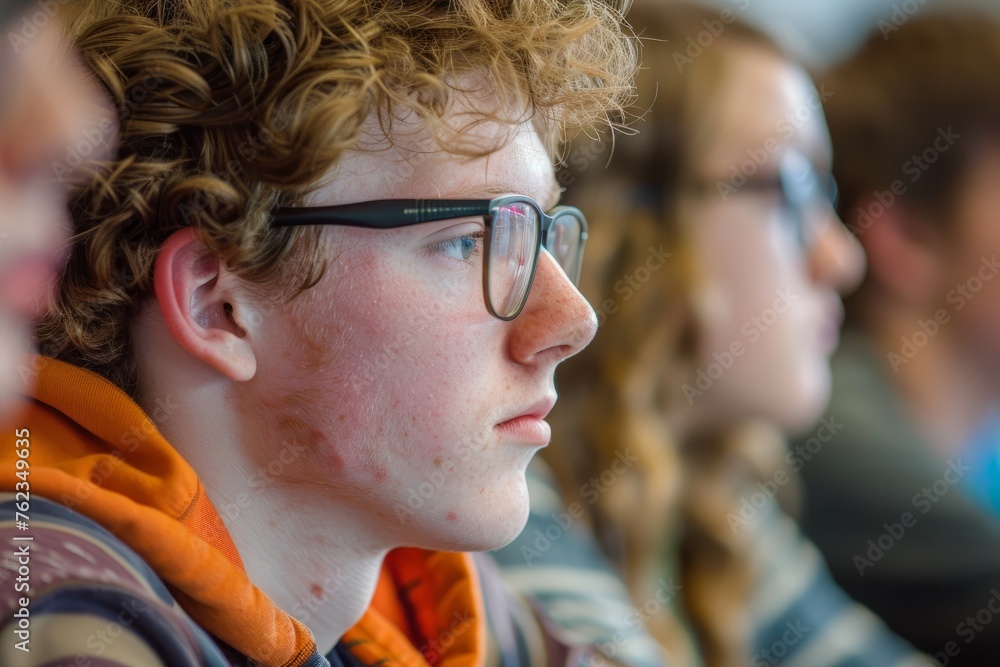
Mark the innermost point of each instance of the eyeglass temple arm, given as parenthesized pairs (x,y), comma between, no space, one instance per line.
(384,214)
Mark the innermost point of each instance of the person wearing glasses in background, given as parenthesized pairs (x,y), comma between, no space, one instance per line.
(715,264)
(303,348)
(904,504)
(48,104)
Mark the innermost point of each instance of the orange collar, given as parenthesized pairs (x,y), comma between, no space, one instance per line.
(94,450)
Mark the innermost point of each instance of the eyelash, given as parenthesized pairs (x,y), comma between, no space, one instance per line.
(447,244)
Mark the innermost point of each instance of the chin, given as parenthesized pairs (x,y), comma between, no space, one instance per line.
(478,528)
(805,402)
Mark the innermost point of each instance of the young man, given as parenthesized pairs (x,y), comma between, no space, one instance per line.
(891,499)
(48,104)
(312,315)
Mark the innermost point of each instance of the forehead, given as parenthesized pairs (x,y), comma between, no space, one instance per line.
(764,102)
(476,157)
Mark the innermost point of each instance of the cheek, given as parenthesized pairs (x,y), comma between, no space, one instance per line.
(395,376)
(746,262)
(761,302)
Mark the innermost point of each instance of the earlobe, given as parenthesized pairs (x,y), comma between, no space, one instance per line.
(195,295)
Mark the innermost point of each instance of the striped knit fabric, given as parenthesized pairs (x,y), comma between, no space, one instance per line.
(801,618)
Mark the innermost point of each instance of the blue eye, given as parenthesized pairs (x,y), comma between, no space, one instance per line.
(461,247)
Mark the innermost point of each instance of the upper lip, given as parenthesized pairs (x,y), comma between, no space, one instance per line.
(537,410)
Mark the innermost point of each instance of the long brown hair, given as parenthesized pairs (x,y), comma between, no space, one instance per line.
(673,503)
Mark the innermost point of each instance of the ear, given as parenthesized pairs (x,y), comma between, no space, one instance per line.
(202,306)
(904,252)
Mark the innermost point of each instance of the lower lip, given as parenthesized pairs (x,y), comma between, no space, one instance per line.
(531,430)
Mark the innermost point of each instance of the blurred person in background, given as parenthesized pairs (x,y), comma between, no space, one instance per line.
(48,103)
(715,264)
(903,503)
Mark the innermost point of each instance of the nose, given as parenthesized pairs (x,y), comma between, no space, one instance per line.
(556,323)
(836,258)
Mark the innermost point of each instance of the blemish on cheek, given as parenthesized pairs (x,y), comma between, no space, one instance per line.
(316,590)
(336,460)
(437,462)
(451,516)
(341,418)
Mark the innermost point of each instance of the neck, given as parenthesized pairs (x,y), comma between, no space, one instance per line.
(312,561)
(303,546)
(946,390)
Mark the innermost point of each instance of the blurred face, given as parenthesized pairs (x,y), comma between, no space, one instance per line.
(971,260)
(48,104)
(773,252)
(417,406)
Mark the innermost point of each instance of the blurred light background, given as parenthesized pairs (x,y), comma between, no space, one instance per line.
(821,31)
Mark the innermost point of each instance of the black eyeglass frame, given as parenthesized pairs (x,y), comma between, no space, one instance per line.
(395,213)
(795,200)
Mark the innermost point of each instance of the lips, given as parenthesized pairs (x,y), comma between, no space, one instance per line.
(529,424)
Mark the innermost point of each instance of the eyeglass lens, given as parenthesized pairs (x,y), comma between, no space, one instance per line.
(805,190)
(514,250)
(563,243)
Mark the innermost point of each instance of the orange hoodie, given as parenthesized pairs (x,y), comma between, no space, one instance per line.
(94,450)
